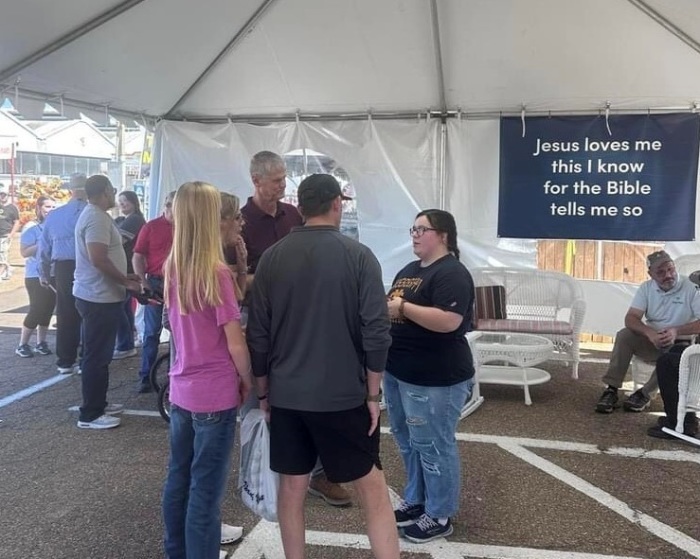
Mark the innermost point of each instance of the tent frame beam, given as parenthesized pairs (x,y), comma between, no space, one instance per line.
(418,114)
(68,38)
(237,38)
(78,104)
(666,24)
(437,46)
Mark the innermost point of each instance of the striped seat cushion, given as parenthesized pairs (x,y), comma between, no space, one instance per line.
(525,326)
(490,302)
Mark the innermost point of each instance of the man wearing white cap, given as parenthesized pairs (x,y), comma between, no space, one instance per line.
(670,305)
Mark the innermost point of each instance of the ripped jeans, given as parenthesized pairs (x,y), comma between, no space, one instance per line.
(423,421)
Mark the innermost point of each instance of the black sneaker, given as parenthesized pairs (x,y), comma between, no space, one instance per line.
(636,402)
(42,348)
(658,433)
(690,426)
(427,529)
(608,401)
(407,514)
(24,351)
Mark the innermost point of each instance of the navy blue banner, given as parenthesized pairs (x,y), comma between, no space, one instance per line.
(568,178)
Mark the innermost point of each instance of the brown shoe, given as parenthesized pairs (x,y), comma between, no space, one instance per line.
(333,493)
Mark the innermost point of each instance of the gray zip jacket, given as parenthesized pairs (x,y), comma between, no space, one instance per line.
(317,318)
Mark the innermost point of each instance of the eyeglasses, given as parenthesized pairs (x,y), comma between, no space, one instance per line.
(419,231)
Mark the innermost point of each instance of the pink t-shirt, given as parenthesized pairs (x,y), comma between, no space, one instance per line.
(204,377)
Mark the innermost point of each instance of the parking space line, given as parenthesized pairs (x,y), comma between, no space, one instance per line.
(142,413)
(586,448)
(264,541)
(12,398)
(657,528)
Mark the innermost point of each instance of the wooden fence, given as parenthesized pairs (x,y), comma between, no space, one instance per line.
(603,260)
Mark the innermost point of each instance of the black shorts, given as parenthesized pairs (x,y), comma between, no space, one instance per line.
(298,438)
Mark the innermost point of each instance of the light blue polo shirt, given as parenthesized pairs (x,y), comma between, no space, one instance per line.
(663,309)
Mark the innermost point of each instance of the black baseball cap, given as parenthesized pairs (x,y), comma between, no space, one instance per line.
(316,190)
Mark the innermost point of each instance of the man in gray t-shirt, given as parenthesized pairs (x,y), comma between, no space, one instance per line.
(99,288)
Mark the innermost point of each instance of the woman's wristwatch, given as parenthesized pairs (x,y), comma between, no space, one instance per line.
(375,397)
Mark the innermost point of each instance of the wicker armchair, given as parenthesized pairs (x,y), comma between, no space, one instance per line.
(688,391)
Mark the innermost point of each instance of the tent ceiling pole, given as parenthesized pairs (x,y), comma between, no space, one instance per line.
(78,104)
(68,38)
(242,32)
(442,156)
(665,23)
(443,164)
(434,16)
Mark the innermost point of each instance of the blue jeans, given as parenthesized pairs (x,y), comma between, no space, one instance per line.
(200,455)
(125,328)
(423,421)
(99,322)
(152,327)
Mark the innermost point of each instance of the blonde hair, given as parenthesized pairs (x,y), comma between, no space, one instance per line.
(230,205)
(230,208)
(196,254)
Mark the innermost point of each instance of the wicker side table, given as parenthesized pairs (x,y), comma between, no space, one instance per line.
(517,355)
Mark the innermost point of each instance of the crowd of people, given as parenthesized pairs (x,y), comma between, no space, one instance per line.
(270,306)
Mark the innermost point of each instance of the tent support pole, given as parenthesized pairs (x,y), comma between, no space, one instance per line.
(68,38)
(434,18)
(238,37)
(443,163)
(666,24)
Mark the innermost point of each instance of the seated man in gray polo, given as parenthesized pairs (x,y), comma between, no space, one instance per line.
(671,306)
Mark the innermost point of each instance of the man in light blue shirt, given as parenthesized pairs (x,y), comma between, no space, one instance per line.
(56,268)
(665,307)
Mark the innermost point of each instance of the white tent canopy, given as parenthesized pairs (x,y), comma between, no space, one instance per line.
(276,57)
(327,74)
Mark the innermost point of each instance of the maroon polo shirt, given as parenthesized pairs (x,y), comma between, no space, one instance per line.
(261,230)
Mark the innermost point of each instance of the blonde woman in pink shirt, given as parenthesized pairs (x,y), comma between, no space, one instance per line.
(209,378)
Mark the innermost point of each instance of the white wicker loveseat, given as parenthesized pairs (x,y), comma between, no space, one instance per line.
(531,301)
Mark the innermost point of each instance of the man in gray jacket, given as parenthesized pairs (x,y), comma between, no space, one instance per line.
(318,333)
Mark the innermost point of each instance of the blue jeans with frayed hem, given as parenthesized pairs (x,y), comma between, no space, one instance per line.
(423,421)
(200,456)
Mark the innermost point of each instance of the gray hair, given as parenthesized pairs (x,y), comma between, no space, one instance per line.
(264,162)
(77,181)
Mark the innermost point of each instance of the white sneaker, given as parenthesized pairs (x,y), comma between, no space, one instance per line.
(66,370)
(223,554)
(114,409)
(230,534)
(102,422)
(124,354)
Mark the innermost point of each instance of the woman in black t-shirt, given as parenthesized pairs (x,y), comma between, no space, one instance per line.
(429,374)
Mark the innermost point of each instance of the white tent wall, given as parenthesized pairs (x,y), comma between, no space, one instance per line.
(393,166)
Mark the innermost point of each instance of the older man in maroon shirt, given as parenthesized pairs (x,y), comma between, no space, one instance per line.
(267,220)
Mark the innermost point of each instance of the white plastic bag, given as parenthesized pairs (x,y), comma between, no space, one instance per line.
(257,482)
